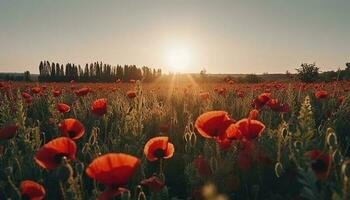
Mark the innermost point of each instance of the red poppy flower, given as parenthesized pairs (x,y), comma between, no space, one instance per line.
(203,169)
(26,95)
(247,128)
(72,128)
(63,108)
(322,94)
(153,183)
(274,104)
(83,91)
(213,124)
(158,147)
(261,100)
(56,93)
(99,107)
(8,132)
(131,94)
(36,90)
(32,190)
(320,163)
(50,155)
(113,169)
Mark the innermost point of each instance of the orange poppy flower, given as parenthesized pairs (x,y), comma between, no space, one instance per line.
(72,128)
(322,94)
(158,147)
(261,100)
(25,95)
(63,108)
(56,93)
(274,104)
(131,94)
(153,183)
(99,107)
(32,190)
(320,163)
(36,90)
(83,91)
(113,169)
(213,124)
(8,132)
(50,155)
(247,128)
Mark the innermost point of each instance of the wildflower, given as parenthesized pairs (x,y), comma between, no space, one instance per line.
(56,93)
(113,169)
(320,163)
(261,100)
(83,91)
(72,128)
(213,124)
(32,190)
(8,132)
(36,90)
(245,128)
(153,183)
(322,94)
(50,155)
(131,94)
(158,148)
(99,107)
(63,108)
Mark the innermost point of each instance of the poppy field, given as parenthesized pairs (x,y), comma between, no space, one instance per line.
(210,141)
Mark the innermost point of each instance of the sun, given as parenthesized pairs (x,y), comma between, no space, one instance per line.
(178,58)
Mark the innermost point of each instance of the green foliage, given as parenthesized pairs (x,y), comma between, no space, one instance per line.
(308,72)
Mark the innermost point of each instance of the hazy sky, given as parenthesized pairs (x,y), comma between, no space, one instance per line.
(221,36)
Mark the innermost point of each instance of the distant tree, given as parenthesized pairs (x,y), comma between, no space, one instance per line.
(26,76)
(203,73)
(308,73)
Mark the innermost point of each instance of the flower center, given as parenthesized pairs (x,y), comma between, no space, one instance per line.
(159,153)
(71,134)
(319,165)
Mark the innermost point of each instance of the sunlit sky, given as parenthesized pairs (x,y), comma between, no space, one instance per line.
(221,36)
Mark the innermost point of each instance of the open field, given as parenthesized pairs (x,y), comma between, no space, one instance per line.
(186,140)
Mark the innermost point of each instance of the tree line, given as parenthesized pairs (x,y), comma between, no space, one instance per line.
(95,72)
